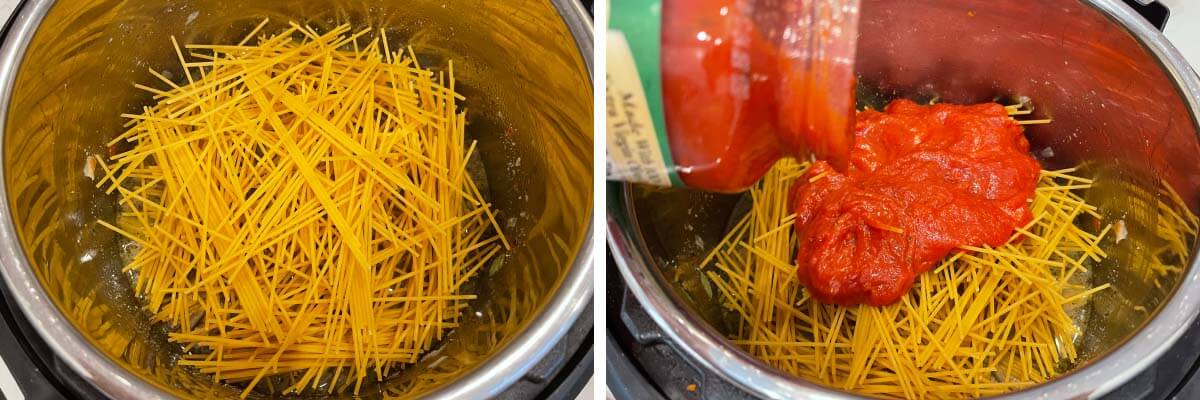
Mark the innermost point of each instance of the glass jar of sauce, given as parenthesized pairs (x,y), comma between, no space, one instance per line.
(710,94)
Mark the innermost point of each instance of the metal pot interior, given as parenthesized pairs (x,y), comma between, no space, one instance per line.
(529,106)
(1117,114)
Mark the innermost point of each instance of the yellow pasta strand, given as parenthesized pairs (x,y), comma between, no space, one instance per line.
(303,211)
(940,339)
(985,321)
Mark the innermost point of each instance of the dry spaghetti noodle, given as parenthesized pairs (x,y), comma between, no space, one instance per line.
(305,207)
(985,321)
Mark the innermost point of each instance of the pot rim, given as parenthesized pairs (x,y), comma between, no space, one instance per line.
(485,380)
(708,350)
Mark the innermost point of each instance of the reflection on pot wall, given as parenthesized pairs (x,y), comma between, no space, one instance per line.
(1109,99)
(528,104)
(1116,113)
(1113,108)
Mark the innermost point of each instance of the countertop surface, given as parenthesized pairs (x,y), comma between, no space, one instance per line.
(1183,28)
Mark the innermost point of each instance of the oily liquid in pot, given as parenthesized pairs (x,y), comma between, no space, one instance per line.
(680,227)
(77,77)
(492,316)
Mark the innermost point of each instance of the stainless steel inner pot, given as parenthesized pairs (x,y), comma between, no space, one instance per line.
(1124,106)
(68,69)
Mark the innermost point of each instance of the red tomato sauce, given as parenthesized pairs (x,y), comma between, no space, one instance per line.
(922,181)
(735,102)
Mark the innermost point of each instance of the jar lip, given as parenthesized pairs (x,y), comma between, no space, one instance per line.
(709,351)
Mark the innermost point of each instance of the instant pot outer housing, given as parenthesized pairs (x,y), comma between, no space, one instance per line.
(1124,106)
(68,69)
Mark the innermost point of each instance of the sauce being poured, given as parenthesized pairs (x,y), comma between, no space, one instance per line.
(922,181)
(747,82)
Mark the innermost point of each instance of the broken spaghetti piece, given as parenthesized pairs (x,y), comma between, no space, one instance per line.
(305,209)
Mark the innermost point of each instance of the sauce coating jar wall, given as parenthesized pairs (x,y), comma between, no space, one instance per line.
(710,94)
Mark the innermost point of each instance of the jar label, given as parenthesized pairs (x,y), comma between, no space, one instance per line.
(638,149)
(636,153)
